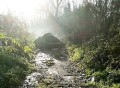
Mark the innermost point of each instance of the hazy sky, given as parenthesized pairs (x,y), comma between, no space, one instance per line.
(27,9)
(22,8)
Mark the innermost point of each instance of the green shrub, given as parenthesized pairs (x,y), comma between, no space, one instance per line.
(100,76)
(12,70)
(16,49)
(115,86)
(75,52)
(90,85)
(99,55)
(14,66)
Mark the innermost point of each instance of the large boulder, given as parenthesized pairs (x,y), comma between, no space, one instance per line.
(48,41)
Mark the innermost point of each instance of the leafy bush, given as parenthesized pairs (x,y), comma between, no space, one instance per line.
(100,54)
(15,47)
(98,35)
(15,51)
(75,53)
(115,86)
(14,64)
(12,70)
(90,85)
(100,76)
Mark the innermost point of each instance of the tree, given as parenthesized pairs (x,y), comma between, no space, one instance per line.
(57,5)
(13,27)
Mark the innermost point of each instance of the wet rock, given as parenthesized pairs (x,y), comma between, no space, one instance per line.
(55,49)
(62,57)
(49,62)
(32,80)
(63,74)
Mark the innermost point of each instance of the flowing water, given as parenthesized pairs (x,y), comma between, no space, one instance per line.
(59,72)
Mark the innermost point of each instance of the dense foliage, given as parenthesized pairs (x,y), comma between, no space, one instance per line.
(93,32)
(15,51)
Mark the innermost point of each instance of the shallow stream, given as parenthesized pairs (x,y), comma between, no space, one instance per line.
(60,71)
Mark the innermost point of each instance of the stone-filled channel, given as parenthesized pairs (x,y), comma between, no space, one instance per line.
(60,73)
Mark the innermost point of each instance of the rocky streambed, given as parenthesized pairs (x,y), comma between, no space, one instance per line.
(54,73)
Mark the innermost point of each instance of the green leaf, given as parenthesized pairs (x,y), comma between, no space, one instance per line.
(27,49)
(2,36)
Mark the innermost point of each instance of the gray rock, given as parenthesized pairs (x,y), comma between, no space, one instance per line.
(48,41)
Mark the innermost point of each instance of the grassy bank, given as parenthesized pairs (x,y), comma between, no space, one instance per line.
(99,57)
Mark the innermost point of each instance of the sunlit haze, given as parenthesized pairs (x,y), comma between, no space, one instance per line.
(24,8)
(28,10)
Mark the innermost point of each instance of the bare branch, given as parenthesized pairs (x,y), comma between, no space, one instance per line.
(60,1)
(52,3)
(56,5)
